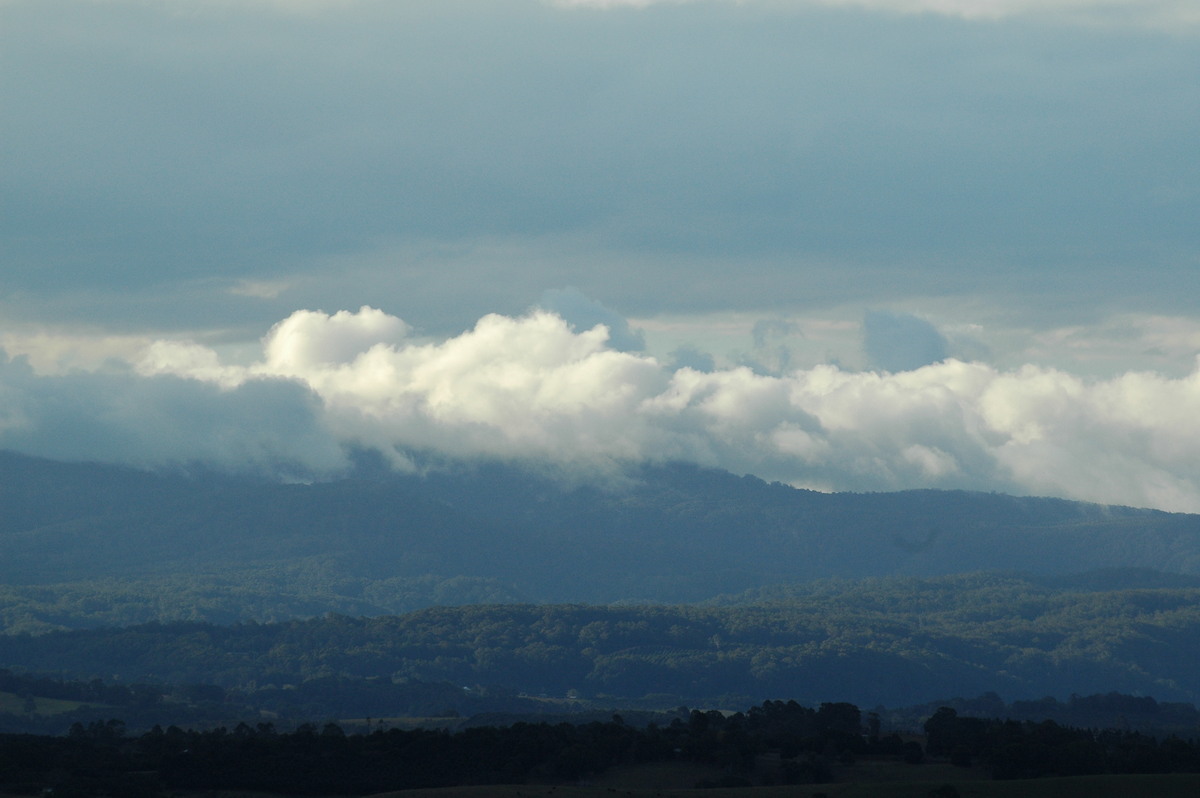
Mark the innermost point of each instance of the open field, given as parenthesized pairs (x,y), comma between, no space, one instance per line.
(15,704)
(407,723)
(1159,786)
(659,785)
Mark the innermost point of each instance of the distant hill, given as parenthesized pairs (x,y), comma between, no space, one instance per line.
(88,544)
(878,641)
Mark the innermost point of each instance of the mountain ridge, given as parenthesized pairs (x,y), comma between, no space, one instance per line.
(385,543)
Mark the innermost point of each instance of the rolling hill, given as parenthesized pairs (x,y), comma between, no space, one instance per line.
(90,544)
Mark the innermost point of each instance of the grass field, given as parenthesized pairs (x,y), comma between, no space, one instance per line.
(1158,786)
(15,704)
(360,725)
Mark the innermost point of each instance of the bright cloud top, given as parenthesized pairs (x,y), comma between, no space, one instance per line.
(532,388)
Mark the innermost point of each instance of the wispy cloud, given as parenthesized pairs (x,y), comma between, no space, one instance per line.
(1156,13)
(259,289)
(57,351)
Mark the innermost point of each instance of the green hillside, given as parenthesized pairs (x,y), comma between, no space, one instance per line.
(88,545)
(891,641)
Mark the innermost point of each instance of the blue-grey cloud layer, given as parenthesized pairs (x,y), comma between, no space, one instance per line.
(901,342)
(674,157)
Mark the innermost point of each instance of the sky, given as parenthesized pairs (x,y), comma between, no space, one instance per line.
(844,244)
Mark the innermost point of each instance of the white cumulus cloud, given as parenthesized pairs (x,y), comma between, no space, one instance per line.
(533,388)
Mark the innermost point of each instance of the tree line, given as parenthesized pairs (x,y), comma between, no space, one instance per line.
(890,642)
(777,742)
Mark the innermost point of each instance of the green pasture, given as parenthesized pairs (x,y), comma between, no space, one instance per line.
(17,705)
(1159,786)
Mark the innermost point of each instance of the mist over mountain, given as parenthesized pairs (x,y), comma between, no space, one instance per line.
(158,546)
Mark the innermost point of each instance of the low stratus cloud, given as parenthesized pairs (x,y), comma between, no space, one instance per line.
(265,426)
(534,389)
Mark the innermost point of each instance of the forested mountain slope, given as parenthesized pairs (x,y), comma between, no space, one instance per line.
(891,642)
(86,543)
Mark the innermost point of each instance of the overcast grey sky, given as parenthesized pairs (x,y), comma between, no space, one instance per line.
(767,203)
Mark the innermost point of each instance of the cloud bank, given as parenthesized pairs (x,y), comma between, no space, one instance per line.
(534,389)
